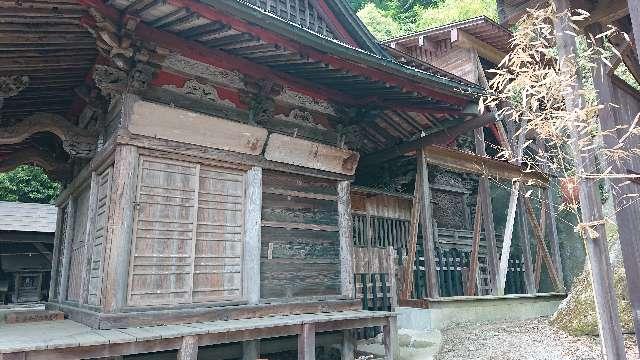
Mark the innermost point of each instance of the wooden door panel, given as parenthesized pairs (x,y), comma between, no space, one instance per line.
(188,234)
(162,251)
(218,248)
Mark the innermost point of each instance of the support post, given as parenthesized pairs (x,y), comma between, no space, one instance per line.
(66,257)
(57,245)
(252,235)
(390,339)
(590,206)
(508,235)
(525,242)
(189,348)
(345,226)
(487,214)
(307,342)
(475,249)
(88,236)
(629,210)
(634,12)
(251,350)
(426,215)
(409,262)
(348,345)
(120,227)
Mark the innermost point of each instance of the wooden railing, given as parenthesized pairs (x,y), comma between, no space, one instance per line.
(453,250)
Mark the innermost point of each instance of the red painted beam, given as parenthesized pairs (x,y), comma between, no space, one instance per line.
(227,61)
(219,58)
(359,69)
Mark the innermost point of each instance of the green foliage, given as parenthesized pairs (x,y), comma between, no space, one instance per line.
(380,25)
(392,18)
(28,184)
(448,11)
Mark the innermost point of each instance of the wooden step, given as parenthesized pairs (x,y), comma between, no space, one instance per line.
(36,315)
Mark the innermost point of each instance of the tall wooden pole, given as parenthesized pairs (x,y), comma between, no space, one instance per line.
(634,12)
(590,206)
(407,277)
(426,216)
(629,210)
(484,194)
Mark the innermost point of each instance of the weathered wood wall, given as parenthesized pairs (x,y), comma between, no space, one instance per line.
(187,244)
(300,245)
(99,234)
(78,251)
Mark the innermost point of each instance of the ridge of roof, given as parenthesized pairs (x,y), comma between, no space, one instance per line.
(274,23)
(449,26)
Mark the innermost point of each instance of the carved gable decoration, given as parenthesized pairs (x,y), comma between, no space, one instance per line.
(300,117)
(311,15)
(201,91)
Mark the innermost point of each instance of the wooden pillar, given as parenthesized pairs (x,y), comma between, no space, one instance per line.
(590,206)
(88,236)
(426,216)
(390,339)
(120,227)
(348,345)
(409,262)
(252,235)
(345,225)
(66,257)
(189,348)
(525,243)
(307,342)
(634,12)
(487,215)
(251,350)
(629,210)
(57,245)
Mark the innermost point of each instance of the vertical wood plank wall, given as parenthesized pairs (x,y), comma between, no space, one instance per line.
(99,234)
(187,243)
(78,259)
(300,243)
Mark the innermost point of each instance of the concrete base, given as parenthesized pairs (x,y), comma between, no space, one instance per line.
(448,311)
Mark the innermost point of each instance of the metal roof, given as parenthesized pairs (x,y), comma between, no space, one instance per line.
(15,216)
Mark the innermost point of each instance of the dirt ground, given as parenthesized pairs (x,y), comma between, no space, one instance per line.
(520,340)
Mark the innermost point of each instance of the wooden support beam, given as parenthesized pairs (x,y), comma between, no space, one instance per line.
(57,249)
(120,228)
(252,235)
(251,350)
(442,137)
(487,214)
(307,342)
(525,244)
(508,235)
(612,119)
(89,237)
(426,216)
(390,339)
(66,257)
(634,12)
(465,40)
(348,345)
(189,348)
(591,208)
(409,262)
(77,142)
(475,249)
(537,232)
(345,226)
(538,266)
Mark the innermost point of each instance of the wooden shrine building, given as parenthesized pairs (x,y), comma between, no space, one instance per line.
(207,150)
